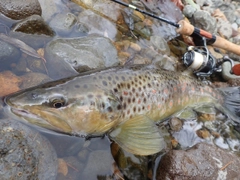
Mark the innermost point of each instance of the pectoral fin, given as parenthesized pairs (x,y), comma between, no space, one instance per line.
(139,136)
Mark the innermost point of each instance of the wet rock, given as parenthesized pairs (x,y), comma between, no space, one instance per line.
(99,162)
(205,21)
(82,53)
(9,83)
(187,136)
(203,133)
(62,167)
(131,166)
(25,154)
(189,11)
(8,55)
(20,9)
(97,24)
(32,79)
(50,8)
(206,113)
(175,124)
(33,40)
(63,23)
(160,45)
(202,161)
(34,24)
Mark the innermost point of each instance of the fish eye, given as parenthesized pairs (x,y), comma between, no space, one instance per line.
(57,102)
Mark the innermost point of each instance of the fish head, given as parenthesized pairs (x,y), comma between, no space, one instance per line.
(62,108)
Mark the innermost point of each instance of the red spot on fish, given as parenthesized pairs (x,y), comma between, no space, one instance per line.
(165,91)
(148,107)
(154,91)
(170,103)
(125,93)
(139,101)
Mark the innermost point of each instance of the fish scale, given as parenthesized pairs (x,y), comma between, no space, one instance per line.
(126,103)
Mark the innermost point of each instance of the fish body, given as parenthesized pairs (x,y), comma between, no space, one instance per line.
(127,102)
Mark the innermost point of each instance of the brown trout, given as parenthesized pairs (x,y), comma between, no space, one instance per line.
(125,103)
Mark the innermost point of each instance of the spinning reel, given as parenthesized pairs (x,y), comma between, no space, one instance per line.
(202,62)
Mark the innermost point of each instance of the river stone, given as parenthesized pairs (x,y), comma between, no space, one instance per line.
(97,24)
(34,24)
(25,154)
(82,54)
(50,8)
(8,55)
(63,23)
(99,163)
(20,9)
(204,20)
(202,161)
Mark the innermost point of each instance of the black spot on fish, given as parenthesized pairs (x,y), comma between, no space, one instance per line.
(124,105)
(128,112)
(123,78)
(149,85)
(133,90)
(109,109)
(143,107)
(134,109)
(119,107)
(100,77)
(121,98)
(118,85)
(104,83)
(77,86)
(117,78)
(115,90)
(133,100)
(140,77)
(139,109)
(109,78)
(144,100)
(103,105)
(129,100)
(128,86)
(140,89)
(144,87)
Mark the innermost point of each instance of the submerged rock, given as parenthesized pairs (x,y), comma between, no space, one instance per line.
(81,54)
(34,24)
(8,54)
(97,24)
(202,161)
(20,9)
(25,154)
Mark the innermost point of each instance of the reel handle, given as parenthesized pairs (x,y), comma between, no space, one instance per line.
(189,30)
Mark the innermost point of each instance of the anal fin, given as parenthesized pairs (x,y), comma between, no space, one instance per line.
(139,135)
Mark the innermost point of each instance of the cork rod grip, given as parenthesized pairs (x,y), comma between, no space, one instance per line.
(188,29)
(185,28)
(227,45)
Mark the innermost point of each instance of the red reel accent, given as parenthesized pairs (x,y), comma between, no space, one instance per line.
(236,69)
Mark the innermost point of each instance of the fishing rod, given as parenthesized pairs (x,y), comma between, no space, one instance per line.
(200,37)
